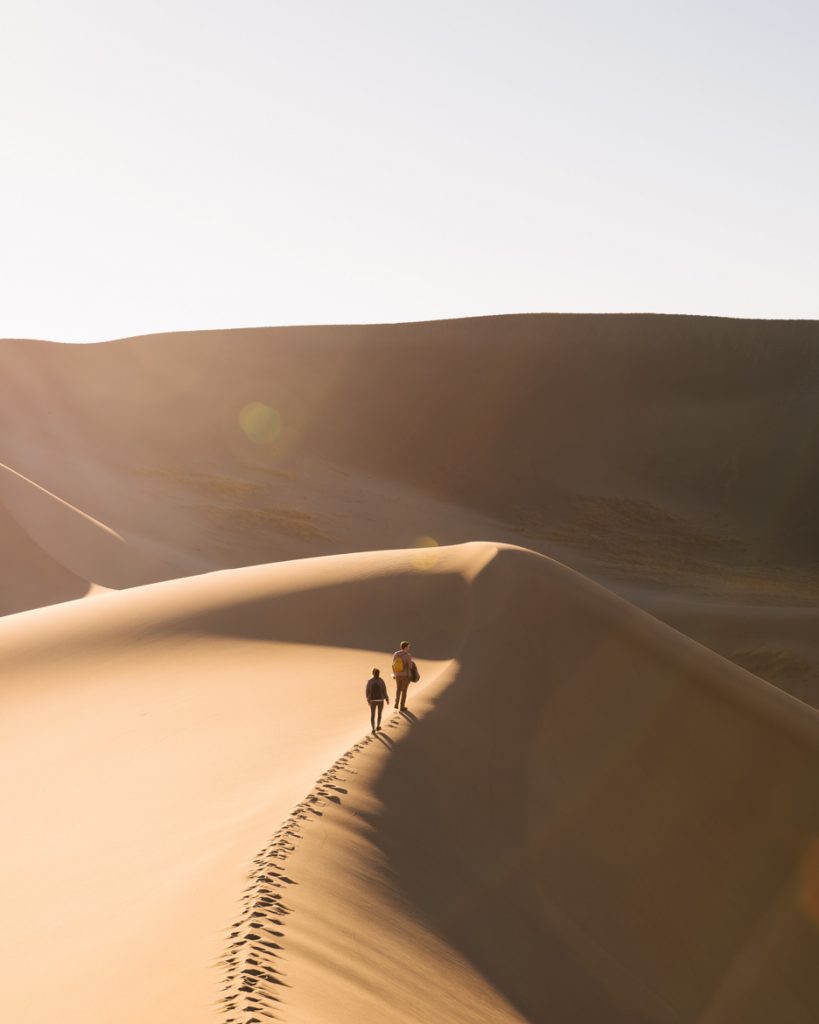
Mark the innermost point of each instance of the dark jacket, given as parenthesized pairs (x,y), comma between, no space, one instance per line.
(376,689)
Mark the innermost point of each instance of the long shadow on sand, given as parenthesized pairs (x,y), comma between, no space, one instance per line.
(355,614)
(593,816)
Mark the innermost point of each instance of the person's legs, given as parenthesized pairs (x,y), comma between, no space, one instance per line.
(380,710)
(401,694)
(372,714)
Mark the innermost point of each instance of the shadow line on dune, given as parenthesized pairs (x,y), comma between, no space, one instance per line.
(356,615)
(579,817)
(255,956)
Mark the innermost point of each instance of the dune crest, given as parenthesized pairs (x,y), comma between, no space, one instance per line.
(657,454)
(586,821)
(583,814)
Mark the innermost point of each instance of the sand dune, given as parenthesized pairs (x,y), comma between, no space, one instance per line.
(696,433)
(586,816)
(591,823)
(149,741)
(674,453)
(781,644)
(30,576)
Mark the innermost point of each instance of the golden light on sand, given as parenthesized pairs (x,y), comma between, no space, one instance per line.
(261,423)
(640,818)
(426,557)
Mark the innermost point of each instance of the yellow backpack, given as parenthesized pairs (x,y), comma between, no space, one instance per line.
(398,666)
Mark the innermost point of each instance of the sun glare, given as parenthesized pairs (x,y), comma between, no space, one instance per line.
(261,423)
(426,557)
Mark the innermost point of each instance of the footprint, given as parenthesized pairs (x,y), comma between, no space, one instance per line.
(261,899)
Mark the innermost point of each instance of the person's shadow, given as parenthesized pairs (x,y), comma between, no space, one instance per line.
(385,740)
(408,714)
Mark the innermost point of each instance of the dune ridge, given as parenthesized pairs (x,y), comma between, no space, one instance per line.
(584,815)
(657,454)
(589,845)
(148,739)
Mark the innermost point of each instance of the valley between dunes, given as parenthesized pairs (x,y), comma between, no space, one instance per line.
(602,804)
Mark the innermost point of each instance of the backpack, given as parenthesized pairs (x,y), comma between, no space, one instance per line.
(398,667)
(415,675)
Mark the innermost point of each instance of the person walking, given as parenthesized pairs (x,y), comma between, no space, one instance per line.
(402,666)
(376,695)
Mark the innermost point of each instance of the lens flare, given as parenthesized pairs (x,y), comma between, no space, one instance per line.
(426,557)
(261,423)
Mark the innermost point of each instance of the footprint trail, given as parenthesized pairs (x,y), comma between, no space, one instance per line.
(254,978)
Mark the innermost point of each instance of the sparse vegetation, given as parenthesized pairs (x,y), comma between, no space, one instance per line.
(213,484)
(237,512)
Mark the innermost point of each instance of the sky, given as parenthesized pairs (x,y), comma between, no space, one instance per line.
(188,164)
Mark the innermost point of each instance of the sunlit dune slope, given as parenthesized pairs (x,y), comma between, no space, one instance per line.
(653,439)
(151,740)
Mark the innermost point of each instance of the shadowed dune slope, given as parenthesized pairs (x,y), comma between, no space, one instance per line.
(779,644)
(652,420)
(29,576)
(595,820)
(34,523)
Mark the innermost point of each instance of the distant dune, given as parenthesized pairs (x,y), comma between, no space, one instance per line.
(699,432)
(598,809)
(654,453)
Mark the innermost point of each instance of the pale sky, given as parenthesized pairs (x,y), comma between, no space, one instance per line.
(186,164)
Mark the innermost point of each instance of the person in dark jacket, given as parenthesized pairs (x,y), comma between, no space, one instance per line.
(376,695)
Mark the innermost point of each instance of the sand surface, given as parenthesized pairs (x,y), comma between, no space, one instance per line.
(597,809)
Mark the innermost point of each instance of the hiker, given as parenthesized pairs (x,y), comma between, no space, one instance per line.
(376,695)
(404,671)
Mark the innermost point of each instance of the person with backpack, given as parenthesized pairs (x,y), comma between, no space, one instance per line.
(404,671)
(376,695)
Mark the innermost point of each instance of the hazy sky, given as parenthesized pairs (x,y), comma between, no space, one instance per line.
(171,164)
